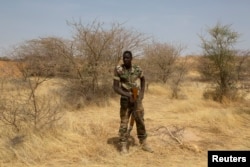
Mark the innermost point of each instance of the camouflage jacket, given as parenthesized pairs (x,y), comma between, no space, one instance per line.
(128,77)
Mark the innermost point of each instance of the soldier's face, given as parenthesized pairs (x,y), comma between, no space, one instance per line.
(127,59)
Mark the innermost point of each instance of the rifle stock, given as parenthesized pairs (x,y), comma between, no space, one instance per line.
(135,93)
(132,119)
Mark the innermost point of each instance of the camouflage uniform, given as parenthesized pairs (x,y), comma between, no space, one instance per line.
(130,78)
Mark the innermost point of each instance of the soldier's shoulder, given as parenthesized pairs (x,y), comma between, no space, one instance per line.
(119,68)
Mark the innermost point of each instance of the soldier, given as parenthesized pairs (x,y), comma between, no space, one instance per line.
(126,77)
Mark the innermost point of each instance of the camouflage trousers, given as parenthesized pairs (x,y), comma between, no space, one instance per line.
(126,109)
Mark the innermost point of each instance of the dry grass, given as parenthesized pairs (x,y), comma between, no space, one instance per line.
(88,136)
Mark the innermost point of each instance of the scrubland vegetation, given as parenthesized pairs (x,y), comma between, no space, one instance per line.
(57,106)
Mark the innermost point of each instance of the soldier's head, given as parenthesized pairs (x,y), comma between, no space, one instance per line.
(127,58)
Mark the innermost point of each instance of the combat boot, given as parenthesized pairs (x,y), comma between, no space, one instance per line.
(124,149)
(145,146)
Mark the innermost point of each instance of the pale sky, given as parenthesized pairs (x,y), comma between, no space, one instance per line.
(170,21)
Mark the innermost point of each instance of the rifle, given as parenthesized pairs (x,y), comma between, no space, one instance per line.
(132,119)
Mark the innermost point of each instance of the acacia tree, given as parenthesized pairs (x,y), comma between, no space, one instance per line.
(178,76)
(50,56)
(38,60)
(160,59)
(99,47)
(219,64)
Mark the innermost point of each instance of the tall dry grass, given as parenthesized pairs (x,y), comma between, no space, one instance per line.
(89,136)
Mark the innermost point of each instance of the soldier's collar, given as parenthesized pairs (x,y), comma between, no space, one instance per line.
(123,65)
